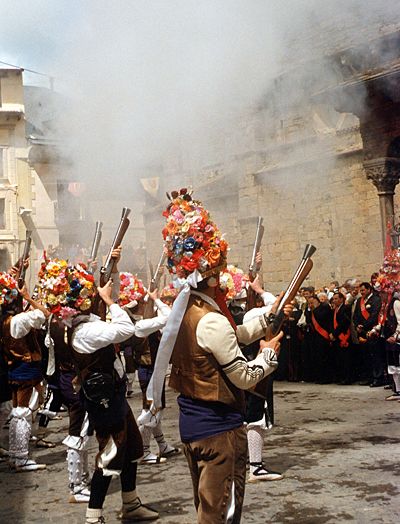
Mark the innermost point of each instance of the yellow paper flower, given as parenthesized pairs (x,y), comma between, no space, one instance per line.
(61,298)
(86,304)
(51,299)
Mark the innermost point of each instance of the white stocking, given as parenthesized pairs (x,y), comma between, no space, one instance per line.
(255,439)
(20,432)
(396,380)
(146,432)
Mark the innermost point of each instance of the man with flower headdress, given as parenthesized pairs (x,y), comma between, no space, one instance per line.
(144,344)
(23,356)
(168,295)
(92,345)
(208,368)
(53,286)
(388,327)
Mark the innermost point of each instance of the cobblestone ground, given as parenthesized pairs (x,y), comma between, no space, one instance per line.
(338,447)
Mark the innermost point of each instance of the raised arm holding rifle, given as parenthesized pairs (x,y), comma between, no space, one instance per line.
(99,307)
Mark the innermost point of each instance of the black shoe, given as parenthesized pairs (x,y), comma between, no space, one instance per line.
(364,383)
(376,384)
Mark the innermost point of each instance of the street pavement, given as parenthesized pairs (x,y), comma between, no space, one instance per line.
(338,447)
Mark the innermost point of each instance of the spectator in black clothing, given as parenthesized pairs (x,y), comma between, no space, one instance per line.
(321,320)
(340,337)
(365,318)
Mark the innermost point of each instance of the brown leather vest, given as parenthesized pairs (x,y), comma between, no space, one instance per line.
(141,351)
(19,350)
(100,361)
(62,350)
(195,372)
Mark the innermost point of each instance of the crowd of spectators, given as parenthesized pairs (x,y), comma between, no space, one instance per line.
(324,346)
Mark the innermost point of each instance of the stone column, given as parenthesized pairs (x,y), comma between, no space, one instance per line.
(385,174)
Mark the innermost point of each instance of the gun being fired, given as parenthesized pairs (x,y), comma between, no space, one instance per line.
(99,306)
(251,295)
(96,244)
(273,329)
(25,256)
(154,283)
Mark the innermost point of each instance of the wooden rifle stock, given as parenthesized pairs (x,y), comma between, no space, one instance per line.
(273,329)
(251,296)
(95,245)
(99,306)
(154,283)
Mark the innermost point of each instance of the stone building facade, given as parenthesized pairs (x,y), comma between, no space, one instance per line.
(320,166)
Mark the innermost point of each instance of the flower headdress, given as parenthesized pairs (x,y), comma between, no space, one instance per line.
(67,290)
(8,289)
(131,289)
(233,283)
(169,292)
(389,274)
(192,240)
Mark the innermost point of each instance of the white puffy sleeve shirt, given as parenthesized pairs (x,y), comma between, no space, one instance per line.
(216,335)
(22,323)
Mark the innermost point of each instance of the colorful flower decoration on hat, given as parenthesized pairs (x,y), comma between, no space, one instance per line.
(389,274)
(191,239)
(169,292)
(8,289)
(67,290)
(233,283)
(130,289)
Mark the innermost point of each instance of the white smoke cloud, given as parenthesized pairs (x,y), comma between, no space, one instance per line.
(152,75)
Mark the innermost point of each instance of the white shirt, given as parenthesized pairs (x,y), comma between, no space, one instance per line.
(95,334)
(215,335)
(22,323)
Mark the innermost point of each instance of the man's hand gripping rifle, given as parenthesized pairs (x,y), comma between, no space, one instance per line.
(278,312)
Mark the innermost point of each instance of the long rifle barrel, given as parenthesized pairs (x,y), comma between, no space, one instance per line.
(256,247)
(96,244)
(25,256)
(157,274)
(301,273)
(106,270)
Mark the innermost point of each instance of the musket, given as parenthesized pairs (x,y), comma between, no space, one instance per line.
(251,295)
(273,329)
(20,265)
(25,256)
(99,306)
(95,245)
(154,283)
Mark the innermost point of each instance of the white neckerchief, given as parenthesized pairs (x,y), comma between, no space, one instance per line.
(168,339)
(207,299)
(49,343)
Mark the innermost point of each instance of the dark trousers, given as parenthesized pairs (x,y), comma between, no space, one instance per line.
(215,463)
